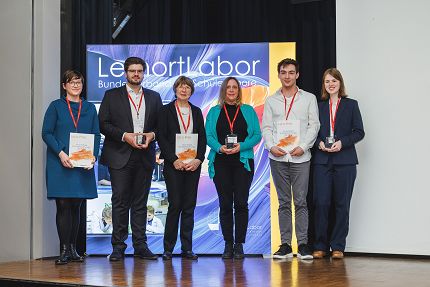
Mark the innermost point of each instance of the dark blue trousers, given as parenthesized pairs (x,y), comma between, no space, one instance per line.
(333,185)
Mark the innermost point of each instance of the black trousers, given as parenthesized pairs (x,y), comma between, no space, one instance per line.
(333,186)
(232,182)
(182,195)
(130,190)
(67,219)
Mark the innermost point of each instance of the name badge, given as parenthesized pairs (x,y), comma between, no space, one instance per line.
(230,140)
(140,139)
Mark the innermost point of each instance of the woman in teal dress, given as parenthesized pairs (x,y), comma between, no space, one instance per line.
(69,186)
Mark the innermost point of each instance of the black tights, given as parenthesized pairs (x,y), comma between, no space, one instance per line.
(68,217)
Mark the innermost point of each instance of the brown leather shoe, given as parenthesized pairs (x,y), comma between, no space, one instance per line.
(337,254)
(318,254)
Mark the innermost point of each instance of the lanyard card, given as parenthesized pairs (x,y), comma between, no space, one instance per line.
(81,149)
(186,147)
(287,135)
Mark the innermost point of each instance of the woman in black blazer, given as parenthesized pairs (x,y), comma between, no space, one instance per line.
(182,179)
(334,164)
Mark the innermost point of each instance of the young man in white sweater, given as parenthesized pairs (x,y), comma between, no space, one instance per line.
(290,127)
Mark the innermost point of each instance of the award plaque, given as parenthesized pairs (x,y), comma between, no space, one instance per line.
(329,141)
(140,139)
(230,140)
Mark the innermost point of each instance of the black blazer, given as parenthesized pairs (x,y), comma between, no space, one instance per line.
(348,129)
(115,119)
(168,127)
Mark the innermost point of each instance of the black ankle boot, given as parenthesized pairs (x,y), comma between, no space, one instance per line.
(228,250)
(64,255)
(238,251)
(74,256)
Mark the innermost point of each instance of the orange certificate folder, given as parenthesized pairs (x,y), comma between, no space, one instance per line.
(81,149)
(186,147)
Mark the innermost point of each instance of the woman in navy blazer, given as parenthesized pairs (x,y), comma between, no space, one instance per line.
(182,179)
(334,163)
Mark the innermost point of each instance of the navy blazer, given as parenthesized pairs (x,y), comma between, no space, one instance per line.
(169,126)
(348,129)
(115,119)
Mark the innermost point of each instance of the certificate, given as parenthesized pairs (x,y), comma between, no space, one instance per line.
(287,134)
(186,147)
(81,149)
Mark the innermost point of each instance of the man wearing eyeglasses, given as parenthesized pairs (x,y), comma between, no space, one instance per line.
(128,119)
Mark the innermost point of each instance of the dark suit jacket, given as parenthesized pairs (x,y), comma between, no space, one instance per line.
(115,119)
(169,126)
(348,129)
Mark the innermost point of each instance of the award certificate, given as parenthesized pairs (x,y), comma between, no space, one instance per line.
(81,149)
(186,147)
(287,134)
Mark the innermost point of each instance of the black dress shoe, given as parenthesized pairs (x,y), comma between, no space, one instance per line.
(167,255)
(74,256)
(145,253)
(238,251)
(64,255)
(116,255)
(189,255)
(228,251)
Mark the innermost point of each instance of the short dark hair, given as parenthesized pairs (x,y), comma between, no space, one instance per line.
(288,61)
(134,61)
(70,75)
(182,80)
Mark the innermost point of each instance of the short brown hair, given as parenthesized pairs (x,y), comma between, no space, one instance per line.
(182,80)
(223,92)
(335,73)
(288,61)
(134,61)
(70,75)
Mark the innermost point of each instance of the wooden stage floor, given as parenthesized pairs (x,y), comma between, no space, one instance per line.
(213,271)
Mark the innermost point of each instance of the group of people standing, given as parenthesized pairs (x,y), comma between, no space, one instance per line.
(132,118)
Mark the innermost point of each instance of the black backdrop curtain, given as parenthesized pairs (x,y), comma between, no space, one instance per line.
(309,23)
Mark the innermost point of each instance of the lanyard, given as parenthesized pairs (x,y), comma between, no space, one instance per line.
(75,121)
(137,109)
(291,105)
(333,118)
(182,119)
(231,123)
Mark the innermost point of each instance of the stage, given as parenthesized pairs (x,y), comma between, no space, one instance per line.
(213,271)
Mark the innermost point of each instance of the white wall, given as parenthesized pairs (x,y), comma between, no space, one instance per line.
(383,51)
(19,194)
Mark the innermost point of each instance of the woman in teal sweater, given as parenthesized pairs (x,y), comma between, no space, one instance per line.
(232,131)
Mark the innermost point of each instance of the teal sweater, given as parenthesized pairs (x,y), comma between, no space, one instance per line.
(246,147)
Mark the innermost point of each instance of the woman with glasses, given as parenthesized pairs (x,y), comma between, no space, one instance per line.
(66,184)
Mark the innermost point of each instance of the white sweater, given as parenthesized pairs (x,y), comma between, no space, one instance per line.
(305,109)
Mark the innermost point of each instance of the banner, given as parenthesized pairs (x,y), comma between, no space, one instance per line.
(207,65)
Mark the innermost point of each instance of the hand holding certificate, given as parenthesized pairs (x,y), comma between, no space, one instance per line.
(186,147)
(287,136)
(81,150)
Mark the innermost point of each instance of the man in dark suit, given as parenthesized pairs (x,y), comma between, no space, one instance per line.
(128,119)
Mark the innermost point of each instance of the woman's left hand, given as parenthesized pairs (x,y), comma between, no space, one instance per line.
(336,147)
(236,149)
(92,164)
(192,165)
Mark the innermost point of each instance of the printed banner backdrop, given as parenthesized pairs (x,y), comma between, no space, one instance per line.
(207,65)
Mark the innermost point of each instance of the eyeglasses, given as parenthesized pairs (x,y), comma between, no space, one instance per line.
(135,71)
(75,84)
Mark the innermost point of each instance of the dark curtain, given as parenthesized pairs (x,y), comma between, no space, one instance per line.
(311,24)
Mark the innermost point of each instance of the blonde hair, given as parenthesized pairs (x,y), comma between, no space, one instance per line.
(223,92)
